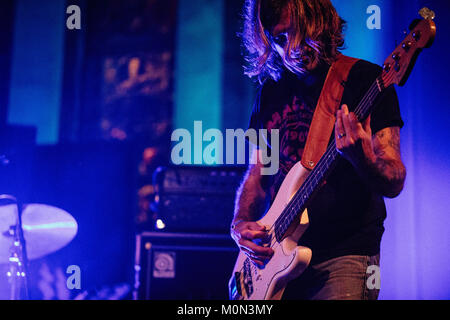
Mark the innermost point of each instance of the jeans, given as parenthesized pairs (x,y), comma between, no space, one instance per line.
(342,278)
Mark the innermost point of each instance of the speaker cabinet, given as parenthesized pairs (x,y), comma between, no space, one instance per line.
(197,199)
(180,266)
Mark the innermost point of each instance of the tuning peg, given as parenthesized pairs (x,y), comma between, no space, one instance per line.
(406,45)
(416,35)
(427,13)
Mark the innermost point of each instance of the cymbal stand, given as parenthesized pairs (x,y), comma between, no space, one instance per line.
(18,260)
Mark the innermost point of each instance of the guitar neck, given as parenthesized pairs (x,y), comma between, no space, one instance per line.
(322,170)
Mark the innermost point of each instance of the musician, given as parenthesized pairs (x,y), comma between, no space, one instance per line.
(290,46)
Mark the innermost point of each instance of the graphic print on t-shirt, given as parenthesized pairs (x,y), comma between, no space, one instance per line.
(292,121)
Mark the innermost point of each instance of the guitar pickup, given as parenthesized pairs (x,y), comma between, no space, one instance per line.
(248,281)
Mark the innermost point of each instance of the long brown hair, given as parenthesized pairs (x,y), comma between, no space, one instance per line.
(317,34)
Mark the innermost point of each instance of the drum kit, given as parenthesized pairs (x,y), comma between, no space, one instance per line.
(29,232)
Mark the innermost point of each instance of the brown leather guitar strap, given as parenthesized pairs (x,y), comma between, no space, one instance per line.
(325,114)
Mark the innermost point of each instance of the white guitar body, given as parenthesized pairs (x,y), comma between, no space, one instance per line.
(289,259)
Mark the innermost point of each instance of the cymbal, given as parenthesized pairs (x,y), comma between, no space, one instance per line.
(46,229)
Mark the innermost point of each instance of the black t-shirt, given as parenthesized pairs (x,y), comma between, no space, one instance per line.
(346,216)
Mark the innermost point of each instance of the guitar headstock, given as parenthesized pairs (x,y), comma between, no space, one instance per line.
(398,66)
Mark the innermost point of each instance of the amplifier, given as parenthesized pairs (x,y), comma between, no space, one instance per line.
(178,266)
(196,199)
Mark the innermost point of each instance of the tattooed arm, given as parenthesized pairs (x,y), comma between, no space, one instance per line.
(386,168)
(377,159)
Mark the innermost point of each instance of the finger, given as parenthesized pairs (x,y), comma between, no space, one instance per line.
(262,259)
(337,138)
(253,235)
(255,226)
(255,257)
(349,139)
(339,129)
(367,126)
(249,230)
(257,262)
(339,124)
(355,126)
(256,250)
(252,257)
